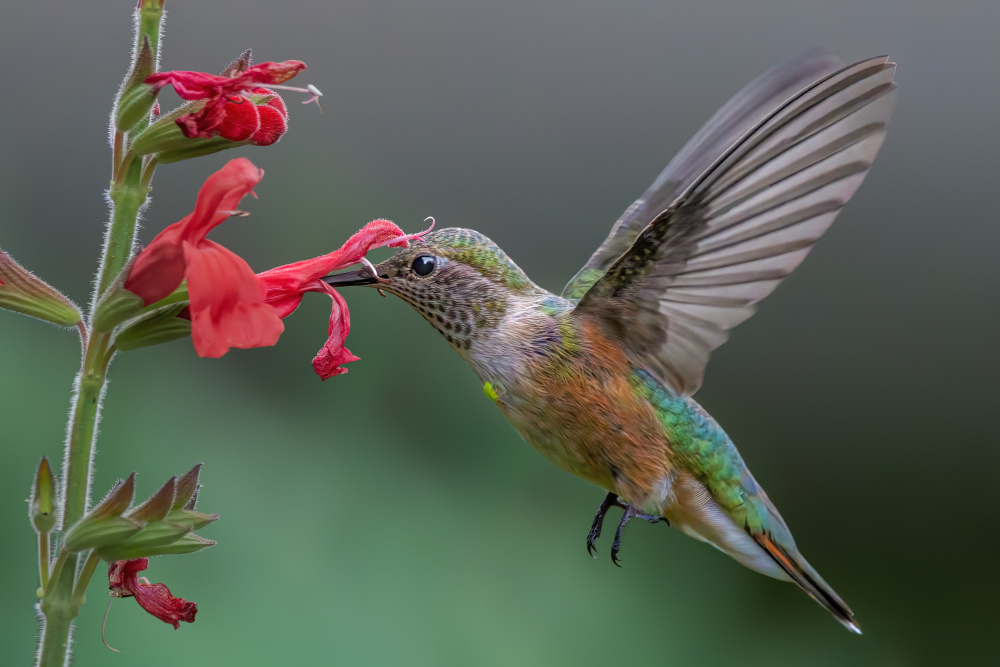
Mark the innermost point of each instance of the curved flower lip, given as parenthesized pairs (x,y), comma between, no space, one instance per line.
(287,284)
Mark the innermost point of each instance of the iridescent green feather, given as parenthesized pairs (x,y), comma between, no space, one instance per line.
(702,448)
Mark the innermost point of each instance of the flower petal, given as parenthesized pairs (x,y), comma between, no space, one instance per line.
(333,354)
(201,85)
(159,268)
(155,598)
(227,302)
(158,601)
(285,284)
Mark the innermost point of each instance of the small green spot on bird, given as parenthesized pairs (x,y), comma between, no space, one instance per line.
(490,392)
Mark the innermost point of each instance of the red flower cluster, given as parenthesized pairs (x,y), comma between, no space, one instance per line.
(230,110)
(154,598)
(229,305)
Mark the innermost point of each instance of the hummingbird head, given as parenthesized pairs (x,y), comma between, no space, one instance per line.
(458,279)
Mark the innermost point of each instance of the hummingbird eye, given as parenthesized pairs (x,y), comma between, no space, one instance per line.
(423,265)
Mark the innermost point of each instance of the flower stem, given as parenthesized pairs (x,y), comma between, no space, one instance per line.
(63,589)
(148,167)
(127,196)
(44,553)
(83,580)
(83,426)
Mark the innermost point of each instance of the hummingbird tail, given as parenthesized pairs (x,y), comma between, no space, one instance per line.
(809,581)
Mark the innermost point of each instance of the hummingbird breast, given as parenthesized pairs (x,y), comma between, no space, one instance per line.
(567,389)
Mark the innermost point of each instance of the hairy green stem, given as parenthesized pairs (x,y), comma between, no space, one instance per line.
(127,196)
(64,588)
(82,431)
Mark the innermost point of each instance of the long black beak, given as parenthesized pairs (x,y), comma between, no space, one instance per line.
(349,278)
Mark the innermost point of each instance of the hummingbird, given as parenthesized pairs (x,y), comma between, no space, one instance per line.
(600,378)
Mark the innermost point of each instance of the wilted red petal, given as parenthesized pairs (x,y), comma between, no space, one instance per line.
(159,269)
(157,600)
(123,580)
(227,302)
(333,354)
(273,72)
(201,85)
(189,85)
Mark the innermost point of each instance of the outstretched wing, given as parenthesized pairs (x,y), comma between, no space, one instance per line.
(699,267)
(756,100)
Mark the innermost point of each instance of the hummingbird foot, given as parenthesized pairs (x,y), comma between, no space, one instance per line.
(630,513)
(610,500)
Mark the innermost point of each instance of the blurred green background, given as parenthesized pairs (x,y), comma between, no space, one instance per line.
(391,516)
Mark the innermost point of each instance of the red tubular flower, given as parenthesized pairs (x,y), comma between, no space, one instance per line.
(154,598)
(286,284)
(222,95)
(227,305)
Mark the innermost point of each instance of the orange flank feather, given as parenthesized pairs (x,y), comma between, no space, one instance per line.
(579,401)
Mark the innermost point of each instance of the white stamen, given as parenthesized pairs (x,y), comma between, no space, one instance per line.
(310,90)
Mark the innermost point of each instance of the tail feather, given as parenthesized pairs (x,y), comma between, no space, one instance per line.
(809,581)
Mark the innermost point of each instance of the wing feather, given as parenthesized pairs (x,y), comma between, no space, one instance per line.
(699,267)
(732,121)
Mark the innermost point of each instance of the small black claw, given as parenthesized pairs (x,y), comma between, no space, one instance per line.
(617,544)
(629,514)
(610,500)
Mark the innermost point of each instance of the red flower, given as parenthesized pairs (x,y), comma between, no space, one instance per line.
(226,112)
(286,285)
(154,598)
(227,306)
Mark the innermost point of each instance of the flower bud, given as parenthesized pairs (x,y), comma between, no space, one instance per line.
(23,292)
(105,524)
(185,544)
(157,505)
(163,524)
(187,490)
(41,504)
(240,120)
(273,117)
(195,148)
(136,98)
(99,533)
